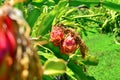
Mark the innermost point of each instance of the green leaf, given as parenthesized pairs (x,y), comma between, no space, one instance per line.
(91,78)
(90,60)
(47,55)
(85,2)
(37,4)
(70,11)
(27,2)
(47,77)
(86,16)
(46,23)
(50,3)
(53,67)
(1,1)
(112,5)
(32,17)
(77,70)
(60,10)
(56,51)
(70,73)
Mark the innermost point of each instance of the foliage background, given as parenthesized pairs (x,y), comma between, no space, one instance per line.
(98,23)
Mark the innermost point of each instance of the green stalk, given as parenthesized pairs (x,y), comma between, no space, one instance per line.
(85,16)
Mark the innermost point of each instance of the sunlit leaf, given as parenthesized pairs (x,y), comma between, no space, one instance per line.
(47,55)
(90,60)
(53,67)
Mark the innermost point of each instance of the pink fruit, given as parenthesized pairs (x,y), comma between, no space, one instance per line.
(11,43)
(57,35)
(3,45)
(7,39)
(69,44)
(10,36)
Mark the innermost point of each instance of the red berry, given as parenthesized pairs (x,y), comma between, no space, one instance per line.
(69,44)
(57,35)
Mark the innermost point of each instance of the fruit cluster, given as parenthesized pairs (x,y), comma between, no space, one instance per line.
(65,38)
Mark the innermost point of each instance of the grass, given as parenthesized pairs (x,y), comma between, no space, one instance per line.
(108,53)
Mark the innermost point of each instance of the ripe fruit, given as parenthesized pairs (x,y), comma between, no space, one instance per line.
(3,45)
(57,35)
(7,39)
(69,44)
(11,43)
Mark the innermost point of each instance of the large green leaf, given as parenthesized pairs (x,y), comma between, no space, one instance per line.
(77,70)
(113,1)
(85,2)
(32,17)
(46,23)
(112,5)
(53,67)
(60,13)
(56,51)
(37,4)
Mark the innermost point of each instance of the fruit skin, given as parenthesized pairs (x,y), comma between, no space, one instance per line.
(7,38)
(69,44)
(11,43)
(3,45)
(57,35)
